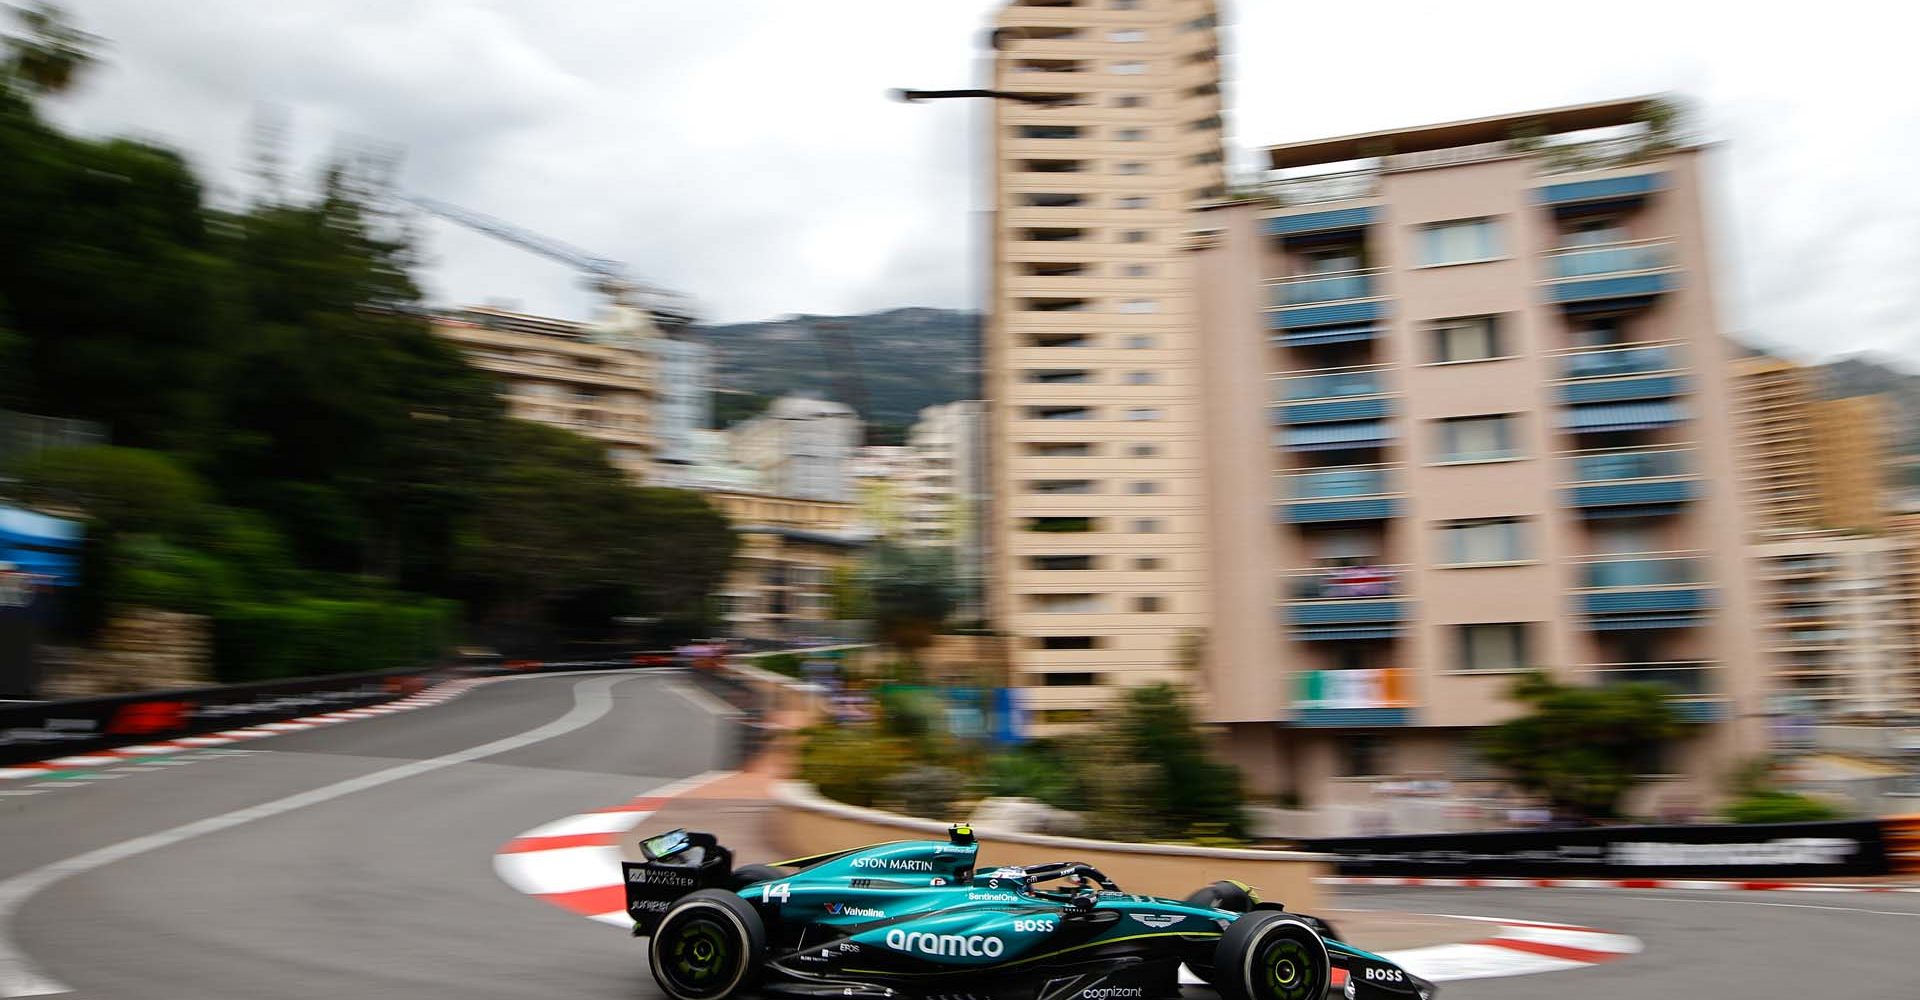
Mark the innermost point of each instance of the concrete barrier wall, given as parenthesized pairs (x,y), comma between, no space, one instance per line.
(807,823)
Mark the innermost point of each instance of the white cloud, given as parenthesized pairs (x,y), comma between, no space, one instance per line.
(745,151)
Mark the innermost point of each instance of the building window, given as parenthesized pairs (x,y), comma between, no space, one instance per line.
(1062,525)
(1129,68)
(1137,342)
(1049,131)
(1471,338)
(1143,413)
(1143,450)
(1130,101)
(1059,413)
(1492,647)
(1142,378)
(1137,201)
(1139,306)
(1459,242)
(1131,167)
(1060,449)
(1070,642)
(1143,488)
(1149,604)
(1066,604)
(1134,236)
(1069,680)
(1493,540)
(1478,439)
(1130,135)
(1068,486)
(1146,526)
(1126,4)
(1127,35)
(1060,563)
(1138,270)
(1362,755)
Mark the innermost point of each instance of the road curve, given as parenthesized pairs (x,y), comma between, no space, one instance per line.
(1699,945)
(349,861)
(357,861)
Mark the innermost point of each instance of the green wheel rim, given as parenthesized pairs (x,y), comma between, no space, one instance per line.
(700,955)
(1290,971)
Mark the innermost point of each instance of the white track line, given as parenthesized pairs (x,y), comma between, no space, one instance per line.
(592,700)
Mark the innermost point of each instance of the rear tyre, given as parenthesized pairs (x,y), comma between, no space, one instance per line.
(746,875)
(708,946)
(1268,955)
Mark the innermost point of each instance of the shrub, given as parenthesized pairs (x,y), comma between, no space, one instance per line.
(780,663)
(313,636)
(1773,806)
(928,791)
(1035,771)
(124,489)
(851,764)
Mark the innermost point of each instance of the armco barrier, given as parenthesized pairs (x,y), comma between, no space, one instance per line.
(807,823)
(37,730)
(1903,843)
(1782,850)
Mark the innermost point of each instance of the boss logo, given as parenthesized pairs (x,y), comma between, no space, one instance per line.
(1034,926)
(1386,976)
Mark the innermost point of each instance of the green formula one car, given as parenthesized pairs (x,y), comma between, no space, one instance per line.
(918,919)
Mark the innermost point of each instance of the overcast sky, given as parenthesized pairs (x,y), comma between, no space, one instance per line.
(743,151)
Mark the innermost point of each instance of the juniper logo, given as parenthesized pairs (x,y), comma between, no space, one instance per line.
(946,945)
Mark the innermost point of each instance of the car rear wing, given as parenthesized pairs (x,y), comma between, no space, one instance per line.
(677,863)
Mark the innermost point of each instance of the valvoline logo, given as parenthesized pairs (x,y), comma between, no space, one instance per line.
(843,910)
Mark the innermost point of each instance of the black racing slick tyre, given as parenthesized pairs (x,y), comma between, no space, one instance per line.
(1223,895)
(746,875)
(708,946)
(1268,955)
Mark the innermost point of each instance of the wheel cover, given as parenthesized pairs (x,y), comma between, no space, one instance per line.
(699,957)
(1289,970)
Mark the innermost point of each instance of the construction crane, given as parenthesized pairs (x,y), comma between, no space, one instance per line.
(608,277)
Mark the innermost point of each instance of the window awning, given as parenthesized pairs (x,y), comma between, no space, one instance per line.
(1332,437)
(1634,623)
(1331,633)
(1638,416)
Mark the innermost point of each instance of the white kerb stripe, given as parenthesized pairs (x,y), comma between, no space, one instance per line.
(564,869)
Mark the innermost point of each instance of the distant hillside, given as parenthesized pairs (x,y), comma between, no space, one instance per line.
(907,359)
(1863,375)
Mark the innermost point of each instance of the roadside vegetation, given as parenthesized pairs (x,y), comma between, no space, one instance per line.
(295,455)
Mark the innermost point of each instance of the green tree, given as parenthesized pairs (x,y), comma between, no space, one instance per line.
(910,593)
(1581,747)
(1187,788)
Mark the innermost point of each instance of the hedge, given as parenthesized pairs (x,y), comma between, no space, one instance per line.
(310,636)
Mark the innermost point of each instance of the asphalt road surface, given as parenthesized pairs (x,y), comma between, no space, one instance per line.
(357,861)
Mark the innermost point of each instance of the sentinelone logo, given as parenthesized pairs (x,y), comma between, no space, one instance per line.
(1787,851)
(975,945)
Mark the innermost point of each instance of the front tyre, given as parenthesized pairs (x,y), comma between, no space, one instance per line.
(1267,955)
(708,946)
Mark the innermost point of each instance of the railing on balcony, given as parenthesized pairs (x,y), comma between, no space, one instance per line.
(1639,572)
(1335,484)
(1344,583)
(1332,385)
(1621,465)
(1314,189)
(1614,258)
(1620,361)
(1308,289)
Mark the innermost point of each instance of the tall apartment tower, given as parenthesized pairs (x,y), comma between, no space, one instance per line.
(1467,408)
(1098,538)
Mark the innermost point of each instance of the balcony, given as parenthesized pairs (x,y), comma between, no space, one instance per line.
(1360,493)
(1625,191)
(1643,592)
(1316,189)
(1354,602)
(1340,396)
(1616,361)
(1374,697)
(1694,688)
(1610,276)
(1313,309)
(1630,482)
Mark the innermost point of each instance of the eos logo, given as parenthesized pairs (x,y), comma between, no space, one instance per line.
(974,945)
(894,864)
(1386,976)
(1040,926)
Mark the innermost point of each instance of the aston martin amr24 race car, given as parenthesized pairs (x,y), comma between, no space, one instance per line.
(919,919)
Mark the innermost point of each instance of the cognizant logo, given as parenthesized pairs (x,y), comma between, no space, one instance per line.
(1112,992)
(976,945)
